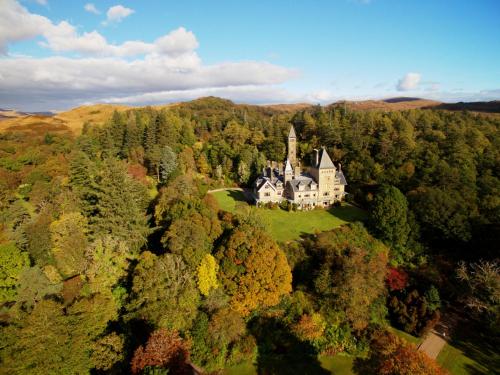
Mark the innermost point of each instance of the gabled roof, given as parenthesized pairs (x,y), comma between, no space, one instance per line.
(325,162)
(341,177)
(266,182)
(292,133)
(288,166)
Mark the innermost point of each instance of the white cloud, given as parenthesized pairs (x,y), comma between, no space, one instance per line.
(42,2)
(89,7)
(117,13)
(409,82)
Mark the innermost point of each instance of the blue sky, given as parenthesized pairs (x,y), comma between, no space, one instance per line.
(58,54)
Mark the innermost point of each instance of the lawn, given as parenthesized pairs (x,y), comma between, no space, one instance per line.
(336,365)
(287,226)
(471,351)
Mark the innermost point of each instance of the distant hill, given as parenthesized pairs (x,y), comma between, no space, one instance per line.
(73,119)
(489,107)
(391,104)
(288,107)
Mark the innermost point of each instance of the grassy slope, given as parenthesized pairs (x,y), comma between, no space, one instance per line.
(288,226)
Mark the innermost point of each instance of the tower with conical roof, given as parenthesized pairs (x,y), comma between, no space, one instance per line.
(324,172)
(292,147)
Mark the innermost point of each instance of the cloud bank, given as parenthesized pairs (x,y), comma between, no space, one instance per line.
(87,68)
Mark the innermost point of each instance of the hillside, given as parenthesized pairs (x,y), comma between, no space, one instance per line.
(73,119)
(392,104)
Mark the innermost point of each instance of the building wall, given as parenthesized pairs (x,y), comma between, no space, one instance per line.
(267,194)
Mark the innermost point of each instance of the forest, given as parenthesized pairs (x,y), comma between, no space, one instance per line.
(114,259)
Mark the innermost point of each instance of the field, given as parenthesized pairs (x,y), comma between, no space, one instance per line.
(288,226)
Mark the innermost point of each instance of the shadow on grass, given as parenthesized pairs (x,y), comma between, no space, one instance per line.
(237,195)
(348,213)
(280,352)
(479,345)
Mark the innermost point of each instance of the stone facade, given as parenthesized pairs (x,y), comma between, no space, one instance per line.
(321,185)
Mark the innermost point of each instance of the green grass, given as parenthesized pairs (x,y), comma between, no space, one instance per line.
(471,353)
(287,226)
(406,336)
(336,365)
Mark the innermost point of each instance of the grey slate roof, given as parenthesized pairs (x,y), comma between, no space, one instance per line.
(324,160)
(303,180)
(292,133)
(341,177)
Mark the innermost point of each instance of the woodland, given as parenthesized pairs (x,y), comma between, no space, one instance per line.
(114,259)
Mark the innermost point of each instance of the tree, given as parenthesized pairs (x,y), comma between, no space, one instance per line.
(119,208)
(351,273)
(207,274)
(189,236)
(442,214)
(108,260)
(389,218)
(481,283)
(391,355)
(163,291)
(168,162)
(254,271)
(108,351)
(12,263)
(68,235)
(164,349)
(34,285)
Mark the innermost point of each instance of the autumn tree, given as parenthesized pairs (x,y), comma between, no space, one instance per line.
(254,270)
(163,291)
(108,260)
(69,240)
(207,274)
(12,263)
(391,355)
(164,349)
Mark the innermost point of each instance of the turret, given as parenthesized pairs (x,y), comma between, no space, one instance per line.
(288,175)
(292,147)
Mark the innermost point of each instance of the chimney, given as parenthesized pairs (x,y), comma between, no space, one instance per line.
(340,167)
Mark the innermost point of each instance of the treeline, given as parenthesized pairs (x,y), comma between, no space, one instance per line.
(112,249)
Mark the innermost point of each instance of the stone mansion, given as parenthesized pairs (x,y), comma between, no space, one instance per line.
(321,185)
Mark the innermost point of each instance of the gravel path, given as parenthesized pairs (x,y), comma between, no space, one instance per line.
(432,345)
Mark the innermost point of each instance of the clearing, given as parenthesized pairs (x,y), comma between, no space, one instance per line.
(288,226)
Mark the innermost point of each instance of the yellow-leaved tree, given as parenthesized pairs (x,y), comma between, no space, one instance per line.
(207,274)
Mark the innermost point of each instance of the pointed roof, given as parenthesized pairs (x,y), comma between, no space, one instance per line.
(325,162)
(292,133)
(288,166)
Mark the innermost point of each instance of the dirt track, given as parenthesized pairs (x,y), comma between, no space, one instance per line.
(432,345)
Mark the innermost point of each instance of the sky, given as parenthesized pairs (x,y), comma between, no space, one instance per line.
(56,55)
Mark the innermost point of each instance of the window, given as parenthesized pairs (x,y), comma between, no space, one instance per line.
(300,196)
(326,193)
(307,195)
(279,192)
(267,194)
